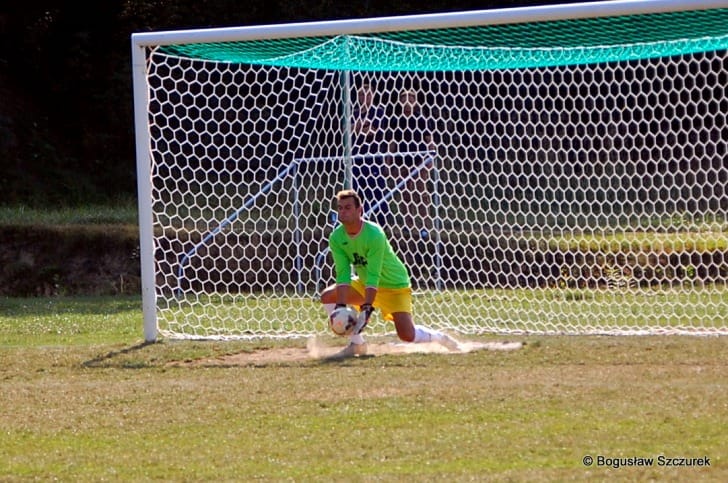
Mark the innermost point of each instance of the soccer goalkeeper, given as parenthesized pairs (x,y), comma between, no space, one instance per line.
(382,280)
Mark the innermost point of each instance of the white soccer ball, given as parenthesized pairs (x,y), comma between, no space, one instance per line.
(343,320)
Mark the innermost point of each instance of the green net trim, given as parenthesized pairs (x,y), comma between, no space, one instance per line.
(564,42)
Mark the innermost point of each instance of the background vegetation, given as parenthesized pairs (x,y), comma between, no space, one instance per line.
(66,116)
(67,152)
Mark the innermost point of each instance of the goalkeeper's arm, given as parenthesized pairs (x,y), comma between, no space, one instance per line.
(342,293)
(366,309)
(370,294)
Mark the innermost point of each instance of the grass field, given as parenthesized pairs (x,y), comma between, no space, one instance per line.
(84,399)
(542,311)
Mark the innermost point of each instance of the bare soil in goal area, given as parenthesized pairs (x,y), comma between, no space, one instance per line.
(318,350)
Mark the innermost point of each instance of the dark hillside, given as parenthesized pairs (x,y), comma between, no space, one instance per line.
(69,260)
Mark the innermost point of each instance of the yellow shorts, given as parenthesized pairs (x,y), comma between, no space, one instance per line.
(388,300)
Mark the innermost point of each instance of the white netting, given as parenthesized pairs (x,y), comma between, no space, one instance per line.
(571,199)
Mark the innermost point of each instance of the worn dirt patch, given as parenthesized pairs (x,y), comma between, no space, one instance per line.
(317,350)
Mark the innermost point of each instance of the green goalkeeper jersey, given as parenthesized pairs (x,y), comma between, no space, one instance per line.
(372,256)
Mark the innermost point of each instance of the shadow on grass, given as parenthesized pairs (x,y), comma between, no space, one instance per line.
(107,359)
(337,359)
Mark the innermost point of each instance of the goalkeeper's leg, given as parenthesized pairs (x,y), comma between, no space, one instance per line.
(396,305)
(409,332)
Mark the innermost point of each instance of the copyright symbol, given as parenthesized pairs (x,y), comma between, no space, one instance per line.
(587,460)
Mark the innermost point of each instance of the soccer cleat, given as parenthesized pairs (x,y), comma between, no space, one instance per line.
(449,343)
(351,350)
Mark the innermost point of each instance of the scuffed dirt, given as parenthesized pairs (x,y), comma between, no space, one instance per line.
(316,350)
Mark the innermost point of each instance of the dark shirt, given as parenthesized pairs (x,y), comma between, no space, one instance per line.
(369,140)
(410,134)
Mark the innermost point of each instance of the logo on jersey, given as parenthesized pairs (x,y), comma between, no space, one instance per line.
(359,261)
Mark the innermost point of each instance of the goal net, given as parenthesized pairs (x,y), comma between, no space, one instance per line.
(541,170)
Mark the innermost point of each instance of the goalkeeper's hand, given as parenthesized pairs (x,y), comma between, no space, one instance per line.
(365,313)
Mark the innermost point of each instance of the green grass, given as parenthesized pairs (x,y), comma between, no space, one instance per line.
(544,311)
(676,241)
(124,212)
(84,399)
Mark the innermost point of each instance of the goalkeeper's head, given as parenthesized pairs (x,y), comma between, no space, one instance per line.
(348,194)
(349,208)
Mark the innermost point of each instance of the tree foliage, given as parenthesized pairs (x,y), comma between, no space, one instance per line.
(66,120)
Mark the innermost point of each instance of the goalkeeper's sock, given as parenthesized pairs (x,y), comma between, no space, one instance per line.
(329,308)
(357,339)
(425,334)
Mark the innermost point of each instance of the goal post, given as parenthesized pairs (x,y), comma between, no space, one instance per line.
(557,169)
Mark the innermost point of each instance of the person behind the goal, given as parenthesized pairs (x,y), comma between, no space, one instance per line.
(382,280)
